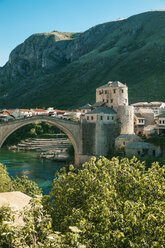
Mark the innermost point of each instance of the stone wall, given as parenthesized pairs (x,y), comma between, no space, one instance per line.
(105,139)
(88,138)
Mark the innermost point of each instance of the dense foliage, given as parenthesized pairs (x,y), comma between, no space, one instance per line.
(5,181)
(26,186)
(114,203)
(36,232)
(106,204)
(22,184)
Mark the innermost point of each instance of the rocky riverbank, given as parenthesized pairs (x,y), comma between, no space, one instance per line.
(54,149)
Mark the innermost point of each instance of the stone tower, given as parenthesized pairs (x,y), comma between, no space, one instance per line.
(126,119)
(114,94)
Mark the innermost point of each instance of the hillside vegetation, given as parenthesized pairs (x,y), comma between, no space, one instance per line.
(63,69)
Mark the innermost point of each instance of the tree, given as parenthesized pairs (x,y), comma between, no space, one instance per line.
(22,184)
(26,186)
(116,203)
(37,230)
(5,181)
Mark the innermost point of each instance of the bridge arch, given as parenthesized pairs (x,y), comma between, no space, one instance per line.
(71,129)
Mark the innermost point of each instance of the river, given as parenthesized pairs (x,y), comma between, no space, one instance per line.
(28,164)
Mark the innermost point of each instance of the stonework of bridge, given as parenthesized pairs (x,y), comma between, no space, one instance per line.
(88,139)
(70,128)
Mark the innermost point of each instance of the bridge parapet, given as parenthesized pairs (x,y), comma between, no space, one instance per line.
(38,118)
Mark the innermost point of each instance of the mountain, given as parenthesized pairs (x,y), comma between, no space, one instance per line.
(63,69)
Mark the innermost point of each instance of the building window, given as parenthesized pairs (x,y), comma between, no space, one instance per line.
(160,122)
(122,91)
(114,91)
(107,101)
(163,121)
(107,117)
(112,117)
(100,92)
(111,100)
(88,118)
(103,100)
(92,118)
(101,117)
(105,92)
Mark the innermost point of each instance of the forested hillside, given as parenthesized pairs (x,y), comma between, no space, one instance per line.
(63,69)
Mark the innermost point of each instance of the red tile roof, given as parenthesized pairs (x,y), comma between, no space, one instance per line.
(39,110)
(8,112)
(24,110)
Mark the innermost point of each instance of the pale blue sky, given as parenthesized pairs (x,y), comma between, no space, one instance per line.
(21,18)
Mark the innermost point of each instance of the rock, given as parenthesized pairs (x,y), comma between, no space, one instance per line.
(16,201)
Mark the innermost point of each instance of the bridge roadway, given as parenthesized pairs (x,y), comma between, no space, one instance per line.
(71,128)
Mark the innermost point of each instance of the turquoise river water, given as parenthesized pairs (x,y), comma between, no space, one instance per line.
(28,164)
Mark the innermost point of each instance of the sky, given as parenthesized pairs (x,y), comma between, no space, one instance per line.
(21,18)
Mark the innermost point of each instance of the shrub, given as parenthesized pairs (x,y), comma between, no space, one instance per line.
(5,181)
(116,203)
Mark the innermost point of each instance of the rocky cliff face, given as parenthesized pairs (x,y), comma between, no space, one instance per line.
(63,69)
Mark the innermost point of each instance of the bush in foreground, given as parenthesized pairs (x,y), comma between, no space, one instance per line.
(107,204)
(37,230)
(116,203)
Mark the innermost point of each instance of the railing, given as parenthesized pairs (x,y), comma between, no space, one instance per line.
(38,117)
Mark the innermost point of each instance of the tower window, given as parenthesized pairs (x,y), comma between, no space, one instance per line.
(122,91)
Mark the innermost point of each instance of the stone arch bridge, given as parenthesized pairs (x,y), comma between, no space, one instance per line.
(70,128)
(88,139)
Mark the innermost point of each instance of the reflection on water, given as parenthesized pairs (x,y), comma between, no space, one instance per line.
(27,164)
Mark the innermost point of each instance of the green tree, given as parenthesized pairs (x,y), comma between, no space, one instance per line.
(22,184)
(5,181)
(26,186)
(37,230)
(116,203)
